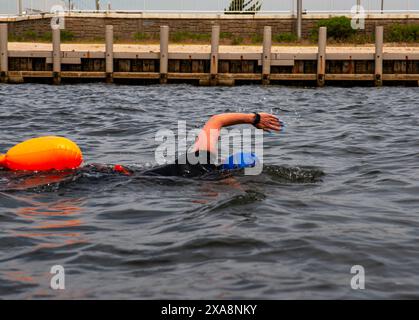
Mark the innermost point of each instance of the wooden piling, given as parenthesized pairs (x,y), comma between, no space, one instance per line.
(21,63)
(4,55)
(321,56)
(56,55)
(378,73)
(266,55)
(109,53)
(164,53)
(215,43)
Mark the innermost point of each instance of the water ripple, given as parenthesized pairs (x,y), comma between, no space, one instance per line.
(339,188)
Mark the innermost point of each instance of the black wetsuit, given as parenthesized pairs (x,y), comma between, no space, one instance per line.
(183,166)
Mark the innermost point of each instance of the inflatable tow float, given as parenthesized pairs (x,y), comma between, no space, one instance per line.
(43,154)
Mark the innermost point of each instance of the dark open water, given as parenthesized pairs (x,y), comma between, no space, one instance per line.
(288,233)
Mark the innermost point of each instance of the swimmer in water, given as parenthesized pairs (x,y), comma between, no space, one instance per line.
(205,147)
(203,151)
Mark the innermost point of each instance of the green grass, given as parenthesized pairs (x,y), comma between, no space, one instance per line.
(99,40)
(285,37)
(403,33)
(141,36)
(360,38)
(237,41)
(66,36)
(226,35)
(339,30)
(256,38)
(30,35)
(14,38)
(180,36)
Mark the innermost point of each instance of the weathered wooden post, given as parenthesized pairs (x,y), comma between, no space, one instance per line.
(4,55)
(379,31)
(164,53)
(109,53)
(266,55)
(215,43)
(321,57)
(56,55)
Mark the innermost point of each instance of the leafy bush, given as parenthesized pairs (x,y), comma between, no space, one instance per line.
(285,37)
(338,28)
(403,33)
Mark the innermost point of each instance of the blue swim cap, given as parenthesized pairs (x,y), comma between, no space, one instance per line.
(240,160)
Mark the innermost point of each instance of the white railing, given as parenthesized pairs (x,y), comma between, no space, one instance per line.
(11,7)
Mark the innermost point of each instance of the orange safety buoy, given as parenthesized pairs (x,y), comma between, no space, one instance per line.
(43,154)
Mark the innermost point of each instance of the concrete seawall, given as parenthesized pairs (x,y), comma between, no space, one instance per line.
(90,26)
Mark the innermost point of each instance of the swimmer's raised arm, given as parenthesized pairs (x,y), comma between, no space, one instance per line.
(208,137)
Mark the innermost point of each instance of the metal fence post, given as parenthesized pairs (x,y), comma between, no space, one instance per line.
(19,7)
(299,18)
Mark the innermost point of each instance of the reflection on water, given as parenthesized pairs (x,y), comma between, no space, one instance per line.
(49,225)
(47,218)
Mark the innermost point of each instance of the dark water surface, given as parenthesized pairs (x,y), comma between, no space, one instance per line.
(287,233)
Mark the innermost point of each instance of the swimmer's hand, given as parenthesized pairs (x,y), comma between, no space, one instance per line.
(208,137)
(269,122)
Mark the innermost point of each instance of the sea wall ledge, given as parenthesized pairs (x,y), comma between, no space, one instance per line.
(210,64)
